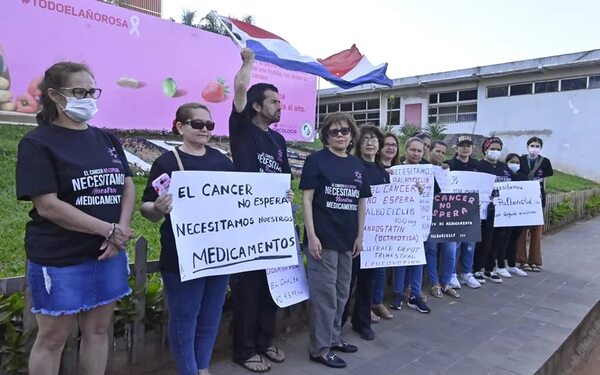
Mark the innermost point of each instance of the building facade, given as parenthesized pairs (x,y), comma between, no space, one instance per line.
(556,98)
(151,7)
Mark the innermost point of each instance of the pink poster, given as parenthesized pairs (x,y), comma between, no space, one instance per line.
(145,66)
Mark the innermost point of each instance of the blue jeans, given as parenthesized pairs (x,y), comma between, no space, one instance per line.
(448,250)
(467,253)
(415,278)
(379,286)
(195,308)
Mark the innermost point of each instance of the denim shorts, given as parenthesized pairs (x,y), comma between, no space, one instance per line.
(72,289)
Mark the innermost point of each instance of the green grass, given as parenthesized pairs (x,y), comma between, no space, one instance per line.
(562,182)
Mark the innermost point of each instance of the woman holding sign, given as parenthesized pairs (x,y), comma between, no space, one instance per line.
(194,306)
(414,150)
(370,144)
(83,196)
(493,240)
(334,187)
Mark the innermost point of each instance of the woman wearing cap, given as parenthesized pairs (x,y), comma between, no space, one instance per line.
(388,158)
(493,240)
(334,187)
(535,167)
(463,161)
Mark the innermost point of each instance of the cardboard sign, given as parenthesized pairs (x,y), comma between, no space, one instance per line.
(442,177)
(230,222)
(474,182)
(456,218)
(393,230)
(519,204)
(422,174)
(288,285)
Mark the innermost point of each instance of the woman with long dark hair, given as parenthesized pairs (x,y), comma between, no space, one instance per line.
(83,196)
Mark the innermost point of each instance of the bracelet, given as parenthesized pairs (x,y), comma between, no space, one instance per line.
(112,231)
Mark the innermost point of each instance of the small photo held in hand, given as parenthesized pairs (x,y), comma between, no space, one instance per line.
(161,184)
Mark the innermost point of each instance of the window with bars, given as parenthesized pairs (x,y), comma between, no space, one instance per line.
(453,107)
(541,87)
(363,111)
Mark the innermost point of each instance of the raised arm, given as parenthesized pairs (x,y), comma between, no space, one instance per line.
(242,80)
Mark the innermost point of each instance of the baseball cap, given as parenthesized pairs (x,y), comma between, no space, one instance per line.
(464,139)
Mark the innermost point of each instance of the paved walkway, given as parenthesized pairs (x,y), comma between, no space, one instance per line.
(512,328)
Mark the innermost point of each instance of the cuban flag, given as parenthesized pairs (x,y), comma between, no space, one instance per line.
(345,69)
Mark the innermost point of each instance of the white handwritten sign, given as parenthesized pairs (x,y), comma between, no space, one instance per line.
(230,222)
(442,177)
(423,174)
(519,204)
(288,285)
(393,230)
(474,182)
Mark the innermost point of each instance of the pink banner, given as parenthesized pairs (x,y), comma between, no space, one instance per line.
(146,66)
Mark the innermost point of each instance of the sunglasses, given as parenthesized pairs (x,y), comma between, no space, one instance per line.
(81,93)
(200,124)
(335,132)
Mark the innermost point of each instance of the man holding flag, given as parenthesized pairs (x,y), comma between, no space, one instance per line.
(255,148)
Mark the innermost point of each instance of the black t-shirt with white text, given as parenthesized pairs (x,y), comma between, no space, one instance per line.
(212,160)
(254,149)
(339,183)
(86,169)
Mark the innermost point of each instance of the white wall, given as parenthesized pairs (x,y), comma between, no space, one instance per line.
(568,122)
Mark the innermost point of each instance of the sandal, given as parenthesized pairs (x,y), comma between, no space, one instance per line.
(535,268)
(274,354)
(526,267)
(250,364)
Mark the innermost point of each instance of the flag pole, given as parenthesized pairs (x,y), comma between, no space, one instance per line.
(224,25)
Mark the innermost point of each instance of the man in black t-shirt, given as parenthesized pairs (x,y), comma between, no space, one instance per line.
(255,148)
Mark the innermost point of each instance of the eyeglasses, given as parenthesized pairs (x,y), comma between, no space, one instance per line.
(369,140)
(335,132)
(80,92)
(200,124)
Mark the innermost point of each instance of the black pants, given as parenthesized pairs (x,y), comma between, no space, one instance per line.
(494,242)
(364,279)
(253,314)
(513,245)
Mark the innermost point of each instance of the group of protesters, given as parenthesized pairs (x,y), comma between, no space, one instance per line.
(83,196)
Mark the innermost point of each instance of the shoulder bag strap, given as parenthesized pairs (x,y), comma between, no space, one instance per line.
(179,163)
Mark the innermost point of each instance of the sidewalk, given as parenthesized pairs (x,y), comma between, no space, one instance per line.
(511,328)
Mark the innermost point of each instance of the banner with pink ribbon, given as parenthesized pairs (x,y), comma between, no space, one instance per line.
(145,66)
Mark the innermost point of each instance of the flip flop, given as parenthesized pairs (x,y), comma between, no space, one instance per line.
(273,354)
(247,363)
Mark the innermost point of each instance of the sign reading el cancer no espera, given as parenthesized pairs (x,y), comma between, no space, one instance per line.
(231,222)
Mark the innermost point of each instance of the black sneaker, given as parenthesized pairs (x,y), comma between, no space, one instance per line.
(418,304)
(329,359)
(344,347)
(365,333)
(397,303)
(479,277)
(493,277)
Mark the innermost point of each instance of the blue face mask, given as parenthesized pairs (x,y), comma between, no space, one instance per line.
(514,167)
(493,154)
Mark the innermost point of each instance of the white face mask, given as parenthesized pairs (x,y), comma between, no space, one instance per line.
(493,154)
(534,151)
(514,167)
(80,110)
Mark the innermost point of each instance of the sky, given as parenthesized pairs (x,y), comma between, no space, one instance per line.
(420,36)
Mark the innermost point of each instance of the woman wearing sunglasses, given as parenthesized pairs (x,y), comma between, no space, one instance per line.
(334,188)
(83,196)
(194,306)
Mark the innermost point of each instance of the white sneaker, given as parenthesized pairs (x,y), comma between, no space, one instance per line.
(454,283)
(503,272)
(469,280)
(517,271)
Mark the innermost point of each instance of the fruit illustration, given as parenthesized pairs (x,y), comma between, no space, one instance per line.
(169,87)
(34,87)
(215,91)
(5,94)
(27,104)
